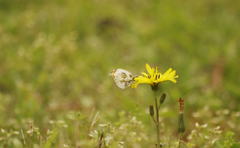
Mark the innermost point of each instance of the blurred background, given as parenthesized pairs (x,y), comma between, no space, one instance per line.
(55,57)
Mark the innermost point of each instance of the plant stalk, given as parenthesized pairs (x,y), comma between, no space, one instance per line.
(76,133)
(180,137)
(157,122)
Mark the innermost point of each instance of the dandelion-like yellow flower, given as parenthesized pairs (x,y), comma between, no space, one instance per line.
(154,77)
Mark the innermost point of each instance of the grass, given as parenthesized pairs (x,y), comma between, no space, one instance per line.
(55,57)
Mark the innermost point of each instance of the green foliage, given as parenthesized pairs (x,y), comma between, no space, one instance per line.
(51,138)
(229,140)
(55,57)
(76,116)
(8,138)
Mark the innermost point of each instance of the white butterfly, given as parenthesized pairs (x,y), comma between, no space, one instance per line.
(122,78)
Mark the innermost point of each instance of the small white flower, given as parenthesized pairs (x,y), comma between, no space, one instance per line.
(197,125)
(204,125)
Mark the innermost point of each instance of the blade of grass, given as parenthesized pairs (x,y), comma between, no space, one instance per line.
(52,137)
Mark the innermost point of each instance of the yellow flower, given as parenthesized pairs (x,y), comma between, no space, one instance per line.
(154,77)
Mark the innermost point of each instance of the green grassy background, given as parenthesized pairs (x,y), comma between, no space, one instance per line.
(55,57)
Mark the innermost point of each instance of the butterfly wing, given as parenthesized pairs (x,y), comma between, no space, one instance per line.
(123,78)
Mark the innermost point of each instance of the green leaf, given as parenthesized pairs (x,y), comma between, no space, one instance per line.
(236,145)
(50,140)
(218,144)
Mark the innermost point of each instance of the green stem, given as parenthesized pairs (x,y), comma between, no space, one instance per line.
(201,137)
(183,142)
(157,123)
(210,140)
(30,141)
(76,133)
(180,137)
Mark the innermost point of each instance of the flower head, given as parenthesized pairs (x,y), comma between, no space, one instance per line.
(153,77)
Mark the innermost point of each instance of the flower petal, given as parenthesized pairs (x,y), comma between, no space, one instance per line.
(149,69)
(145,74)
(142,79)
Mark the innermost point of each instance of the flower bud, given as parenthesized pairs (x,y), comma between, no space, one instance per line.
(181,126)
(154,87)
(151,110)
(162,99)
